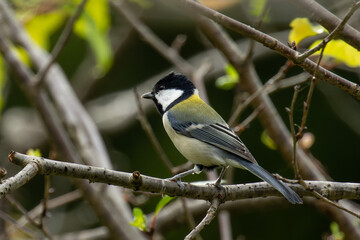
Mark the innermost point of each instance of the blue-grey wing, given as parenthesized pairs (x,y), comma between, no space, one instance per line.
(219,135)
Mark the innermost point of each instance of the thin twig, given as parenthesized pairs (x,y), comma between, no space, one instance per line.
(151,135)
(25,213)
(151,38)
(272,43)
(149,131)
(45,200)
(296,138)
(60,44)
(257,25)
(240,127)
(263,89)
(206,220)
(198,76)
(293,134)
(53,203)
(24,229)
(302,127)
(333,34)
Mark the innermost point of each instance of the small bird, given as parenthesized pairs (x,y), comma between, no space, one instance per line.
(201,134)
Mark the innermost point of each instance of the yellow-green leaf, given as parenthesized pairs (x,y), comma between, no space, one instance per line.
(42,26)
(257,8)
(34,152)
(229,80)
(139,219)
(301,28)
(162,203)
(267,141)
(335,231)
(93,26)
(341,52)
(21,53)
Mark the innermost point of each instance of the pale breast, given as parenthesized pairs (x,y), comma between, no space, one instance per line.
(192,149)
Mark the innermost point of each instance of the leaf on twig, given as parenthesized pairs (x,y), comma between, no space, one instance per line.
(301,28)
(162,203)
(139,219)
(229,80)
(341,52)
(34,152)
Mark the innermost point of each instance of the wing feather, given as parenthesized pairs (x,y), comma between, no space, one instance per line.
(219,135)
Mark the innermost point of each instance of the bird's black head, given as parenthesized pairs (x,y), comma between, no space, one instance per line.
(170,90)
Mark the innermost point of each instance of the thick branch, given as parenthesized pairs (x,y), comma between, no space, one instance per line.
(136,181)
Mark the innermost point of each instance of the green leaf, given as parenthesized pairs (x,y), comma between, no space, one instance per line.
(42,26)
(34,152)
(301,28)
(93,26)
(335,231)
(267,141)
(231,71)
(162,203)
(257,7)
(229,80)
(139,219)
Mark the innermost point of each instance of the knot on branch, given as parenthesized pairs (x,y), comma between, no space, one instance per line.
(136,179)
(11,156)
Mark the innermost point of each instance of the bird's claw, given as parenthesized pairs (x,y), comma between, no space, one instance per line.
(178,181)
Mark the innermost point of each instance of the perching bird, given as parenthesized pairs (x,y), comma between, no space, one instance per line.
(201,135)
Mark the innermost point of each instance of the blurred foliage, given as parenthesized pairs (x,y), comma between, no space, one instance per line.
(41,27)
(93,26)
(228,81)
(267,141)
(339,50)
(301,28)
(257,8)
(136,62)
(219,5)
(34,152)
(335,231)
(44,18)
(162,203)
(139,220)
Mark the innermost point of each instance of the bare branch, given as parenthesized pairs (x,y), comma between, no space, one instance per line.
(332,190)
(329,21)
(332,35)
(166,51)
(206,220)
(270,42)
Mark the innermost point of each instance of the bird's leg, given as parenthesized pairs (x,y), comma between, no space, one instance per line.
(177,178)
(221,175)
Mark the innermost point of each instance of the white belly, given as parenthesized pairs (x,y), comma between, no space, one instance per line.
(194,150)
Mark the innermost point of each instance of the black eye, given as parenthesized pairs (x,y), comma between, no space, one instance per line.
(161,87)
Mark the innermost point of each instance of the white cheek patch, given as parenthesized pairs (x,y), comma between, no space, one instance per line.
(166,97)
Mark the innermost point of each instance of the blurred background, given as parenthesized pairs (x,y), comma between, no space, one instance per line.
(105,58)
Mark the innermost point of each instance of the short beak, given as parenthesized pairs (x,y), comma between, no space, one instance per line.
(148,95)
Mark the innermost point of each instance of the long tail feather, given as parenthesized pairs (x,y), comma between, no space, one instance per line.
(260,172)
